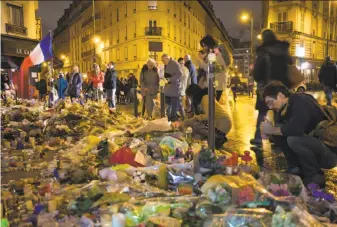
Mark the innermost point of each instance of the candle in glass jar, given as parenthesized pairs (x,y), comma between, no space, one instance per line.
(106,221)
(32,141)
(118,220)
(29,205)
(52,205)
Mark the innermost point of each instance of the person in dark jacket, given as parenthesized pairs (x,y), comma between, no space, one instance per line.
(5,86)
(173,73)
(192,69)
(75,84)
(328,77)
(299,114)
(271,64)
(110,85)
(132,84)
(41,86)
(235,82)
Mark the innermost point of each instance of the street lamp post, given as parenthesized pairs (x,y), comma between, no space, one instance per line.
(211,106)
(328,29)
(93,16)
(245,17)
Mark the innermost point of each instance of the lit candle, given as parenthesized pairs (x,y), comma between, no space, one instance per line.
(29,205)
(106,221)
(52,205)
(32,141)
(118,220)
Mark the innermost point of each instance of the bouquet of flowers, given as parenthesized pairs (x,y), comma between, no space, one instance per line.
(219,194)
(283,185)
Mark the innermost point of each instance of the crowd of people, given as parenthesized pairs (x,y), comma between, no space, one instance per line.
(301,127)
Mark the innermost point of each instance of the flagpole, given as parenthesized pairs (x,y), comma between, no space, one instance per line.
(52,60)
(51,68)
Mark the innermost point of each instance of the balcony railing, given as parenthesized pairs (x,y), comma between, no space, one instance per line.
(286,26)
(90,20)
(16,29)
(156,31)
(85,38)
(87,53)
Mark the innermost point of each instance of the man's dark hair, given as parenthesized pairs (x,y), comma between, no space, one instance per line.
(202,52)
(268,36)
(209,41)
(273,88)
(112,63)
(180,59)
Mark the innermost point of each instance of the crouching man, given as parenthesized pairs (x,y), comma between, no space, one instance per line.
(299,114)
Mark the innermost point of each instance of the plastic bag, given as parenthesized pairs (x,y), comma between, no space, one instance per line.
(162,125)
(173,144)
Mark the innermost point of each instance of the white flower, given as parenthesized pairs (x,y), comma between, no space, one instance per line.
(211,57)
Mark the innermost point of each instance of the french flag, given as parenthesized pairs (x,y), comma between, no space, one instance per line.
(42,52)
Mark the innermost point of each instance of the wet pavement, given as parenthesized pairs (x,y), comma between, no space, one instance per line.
(244,120)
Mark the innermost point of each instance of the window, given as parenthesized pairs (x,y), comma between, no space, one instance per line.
(168,29)
(126,10)
(152,23)
(135,6)
(118,54)
(117,14)
(302,43)
(15,14)
(135,52)
(134,29)
(282,17)
(126,32)
(126,53)
(117,35)
(152,5)
(302,22)
(175,33)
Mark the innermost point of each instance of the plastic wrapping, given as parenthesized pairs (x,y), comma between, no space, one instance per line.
(162,125)
(283,185)
(171,144)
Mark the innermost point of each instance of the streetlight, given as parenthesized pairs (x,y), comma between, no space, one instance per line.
(259,37)
(96,39)
(63,56)
(244,18)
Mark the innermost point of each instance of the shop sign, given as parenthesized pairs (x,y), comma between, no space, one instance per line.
(22,51)
(14,47)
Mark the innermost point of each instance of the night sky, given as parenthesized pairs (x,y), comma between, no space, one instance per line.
(227,11)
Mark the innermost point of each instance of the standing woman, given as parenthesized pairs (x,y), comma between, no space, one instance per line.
(62,86)
(149,82)
(75,84)
(210,45)
(97,79)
